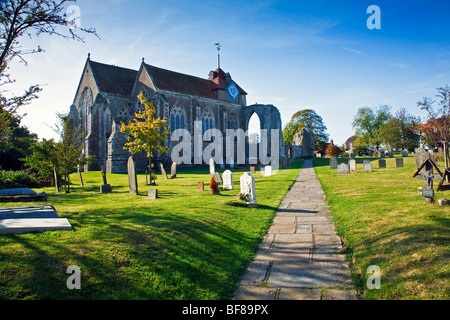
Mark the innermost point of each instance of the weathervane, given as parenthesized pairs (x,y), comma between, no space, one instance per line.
(218,46)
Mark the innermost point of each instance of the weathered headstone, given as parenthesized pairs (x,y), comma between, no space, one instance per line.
(368,167)
(55,174)
(201,186)
(333,163)
(228,180)
(163,172)
(152,193)
(399,162)
(390,154)
(284,162)
(212,166)
(343,169)
(420,156)
(267,171)
(217,177)
(405,153)
(247,184)
(252,170)
(352,164)
(173,170)
(80,177)
(383,155)
(105,187)
(381,163)
(132,177)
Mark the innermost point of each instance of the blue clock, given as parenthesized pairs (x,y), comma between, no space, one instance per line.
(233,91)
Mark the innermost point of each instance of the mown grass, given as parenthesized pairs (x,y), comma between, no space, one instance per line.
(184,245)
(386,222)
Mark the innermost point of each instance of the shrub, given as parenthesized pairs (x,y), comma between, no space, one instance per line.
(333,151)
(17,179)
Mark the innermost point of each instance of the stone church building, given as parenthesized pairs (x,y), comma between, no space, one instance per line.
(107,96)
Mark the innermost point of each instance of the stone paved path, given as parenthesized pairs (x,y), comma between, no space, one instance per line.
(299,259)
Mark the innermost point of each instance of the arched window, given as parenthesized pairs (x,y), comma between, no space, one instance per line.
(232,122)
(177,118)
(207,120)
(86,102)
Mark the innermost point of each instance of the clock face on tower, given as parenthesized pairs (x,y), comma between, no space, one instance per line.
(233,91)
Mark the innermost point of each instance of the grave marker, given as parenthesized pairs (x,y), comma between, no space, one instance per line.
(343,169)
(247,184)
(132,177)
(267,171)
(352,164)
(163,172)
(212,166)
(368,167)
(201,186)
(333,163)
(173,170)
(228,180)
(105,188)
(381,163)
(399,162)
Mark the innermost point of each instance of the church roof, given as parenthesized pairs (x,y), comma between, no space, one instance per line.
(113,79)
(182,83)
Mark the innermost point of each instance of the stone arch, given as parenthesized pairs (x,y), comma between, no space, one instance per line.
(270,119)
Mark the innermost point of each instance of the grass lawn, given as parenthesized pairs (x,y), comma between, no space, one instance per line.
(385,222)
(184,245)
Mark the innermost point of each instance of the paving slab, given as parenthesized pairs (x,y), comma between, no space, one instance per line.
(19,226)
(301,255)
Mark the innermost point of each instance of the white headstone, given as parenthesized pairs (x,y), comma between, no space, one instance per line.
(352,163)
(267,171)
(228,180)
(212,166)
(248,185)
(368,167)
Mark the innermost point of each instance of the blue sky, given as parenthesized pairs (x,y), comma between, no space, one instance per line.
(313,54)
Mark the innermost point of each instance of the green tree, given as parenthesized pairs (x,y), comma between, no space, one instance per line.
(400,131)
(367,123)
(309,119)
(69,150)
(145,132)
(43,158)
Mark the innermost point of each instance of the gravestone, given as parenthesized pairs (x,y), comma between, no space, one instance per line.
(247,184)
(405,153)
(267,171)
(212,166)
(420,156)
(366,161)
(163,172)
(252,170)
(284,162)
(368,167)
(217,177)
(132,177)
(21,195)
(55,175)
(390,154)
(343,169)
(228,180)
(105,188)
(173,170)
(383,155)
(399,162)
(80,177)
(152,193)
(201,186)
(381,163)
(333,163)
(352,164)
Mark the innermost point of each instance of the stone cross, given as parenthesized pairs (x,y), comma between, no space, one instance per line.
(228,180)
(105,188)
(132,177)
(104,175)
(247,184)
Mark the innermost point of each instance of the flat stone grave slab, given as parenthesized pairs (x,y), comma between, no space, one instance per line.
(299,294)
(19,220)
(21,194)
